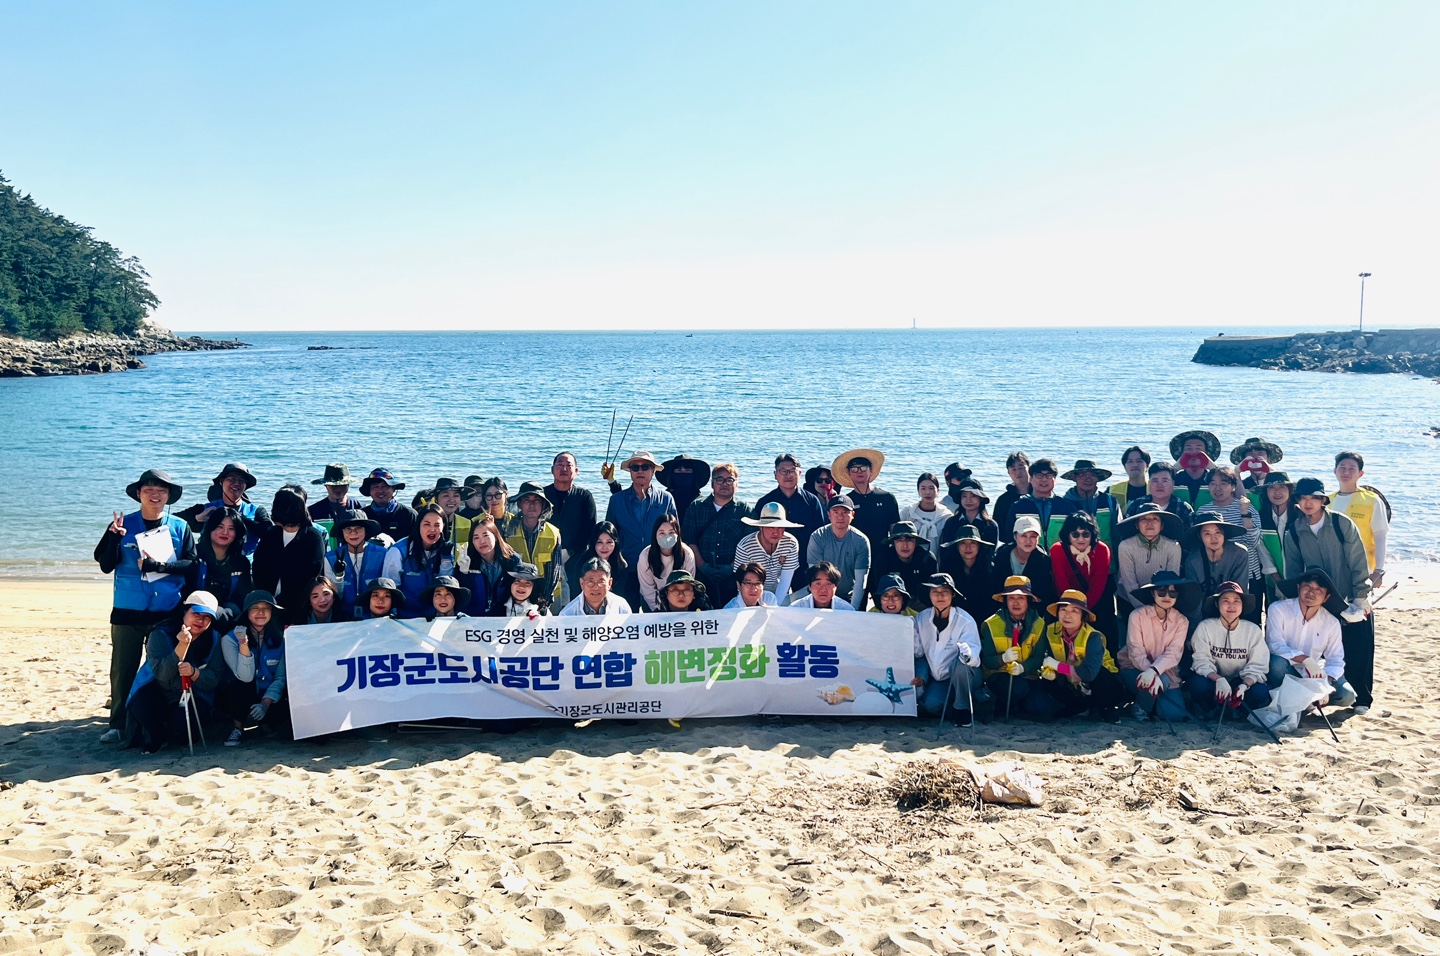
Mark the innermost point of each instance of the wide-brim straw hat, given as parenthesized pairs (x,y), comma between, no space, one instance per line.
(772,515)
(1212,444)
(641,456)
(840,468)
(154,476)
(1242,451)
(1085,464)
(1075,599)
(1016,584)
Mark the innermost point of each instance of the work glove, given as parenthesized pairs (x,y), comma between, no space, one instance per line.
(1047,672)
(1240,689)
(151,566)
(607,471)
(1010,656)
(1146,680)
(1313,667)
(968,657)
(1051,664)
(1222,689)
(1014,669)
(1354,612)
(257,712)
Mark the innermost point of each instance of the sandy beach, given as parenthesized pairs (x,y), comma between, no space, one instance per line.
(725,836)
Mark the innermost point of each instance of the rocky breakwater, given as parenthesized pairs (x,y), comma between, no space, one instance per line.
(1412,351)
(93,353)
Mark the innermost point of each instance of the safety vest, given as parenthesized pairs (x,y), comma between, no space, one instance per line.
(1082,640)
(1271,541)
(252,530)
(132,591)
(1201,499)
(1002,637)
(1361,510)
(417,575)
(547,543)
(1118,491)
(353,579)
(268,661)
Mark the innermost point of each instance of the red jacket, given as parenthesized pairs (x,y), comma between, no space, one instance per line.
(1066,579)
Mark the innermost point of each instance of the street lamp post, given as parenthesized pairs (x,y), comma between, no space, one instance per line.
(1363,277)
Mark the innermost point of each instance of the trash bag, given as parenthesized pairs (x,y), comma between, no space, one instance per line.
(1291,699)
(1009,783)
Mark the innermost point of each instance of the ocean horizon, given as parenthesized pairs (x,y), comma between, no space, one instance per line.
(451,403)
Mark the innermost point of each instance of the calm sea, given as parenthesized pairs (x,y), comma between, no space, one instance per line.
(431,404)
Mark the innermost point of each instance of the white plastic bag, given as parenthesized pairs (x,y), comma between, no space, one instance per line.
(1009,783)
(1288,701)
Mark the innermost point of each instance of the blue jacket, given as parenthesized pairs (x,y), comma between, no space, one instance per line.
(353,579)
(635,518)
(132,591)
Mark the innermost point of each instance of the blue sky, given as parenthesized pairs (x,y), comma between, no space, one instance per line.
(540,165)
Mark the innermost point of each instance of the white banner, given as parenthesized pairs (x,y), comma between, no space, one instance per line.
(712,664)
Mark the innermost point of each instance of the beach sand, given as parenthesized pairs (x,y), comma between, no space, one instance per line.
(725,836)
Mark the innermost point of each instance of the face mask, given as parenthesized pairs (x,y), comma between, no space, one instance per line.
(667,541)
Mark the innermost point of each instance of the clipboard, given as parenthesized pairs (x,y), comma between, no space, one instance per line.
(157,545)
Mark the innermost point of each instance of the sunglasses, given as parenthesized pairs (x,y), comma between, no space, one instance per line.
(1080,533)
(1167,591)
(724,480)
(640,466)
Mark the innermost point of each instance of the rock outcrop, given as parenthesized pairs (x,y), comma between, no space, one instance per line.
(92,353)
(1412,351)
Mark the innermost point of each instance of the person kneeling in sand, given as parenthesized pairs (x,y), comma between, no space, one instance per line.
(1231,659)
(252,684)
(1303,634)
(1150,659)
(1077,673)
(1011,636)
(947,657)
(595,595)
(178,655)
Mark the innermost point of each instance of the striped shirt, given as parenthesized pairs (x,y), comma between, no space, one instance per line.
(786,557)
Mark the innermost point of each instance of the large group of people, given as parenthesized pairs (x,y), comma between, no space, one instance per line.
(1187,586)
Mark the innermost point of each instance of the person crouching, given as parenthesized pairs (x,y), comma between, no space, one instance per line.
(947,657)
(1078,673)
(252,685)
(178,653)
(1231,659)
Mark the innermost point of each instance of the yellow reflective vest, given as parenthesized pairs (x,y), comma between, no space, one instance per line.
(1361,510)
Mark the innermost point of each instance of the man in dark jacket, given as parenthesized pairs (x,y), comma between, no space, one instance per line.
(338,498)
(230,489)
(714,527)
(905,552)
(1023,556)
(396,520)
(1018,465)
(800,506)
(572,510)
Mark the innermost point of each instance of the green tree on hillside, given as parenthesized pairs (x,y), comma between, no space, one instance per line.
(56,278)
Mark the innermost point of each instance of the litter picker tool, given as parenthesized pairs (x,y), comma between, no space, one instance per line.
(1323,716)
(1155,708)
(192,711)
(1215,738)
(610,437)
(623,435)
(1256,719)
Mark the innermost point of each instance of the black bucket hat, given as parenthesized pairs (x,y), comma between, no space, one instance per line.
(1212,601)
(1171,525)
(1241,451)
(700,467)
(1291,587)
(528,488)
(1278,478)
(236,468)
(904,529)
(384,584)
(942,580)
(154,476)
(1310,486)
(1085,464)
(891,582)
(973,486)
(1208,517)
(525,571)
(1185,597)
(427,597)
(447,484)
(355,517)
(967,532)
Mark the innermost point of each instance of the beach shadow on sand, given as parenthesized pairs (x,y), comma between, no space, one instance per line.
(47,751)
